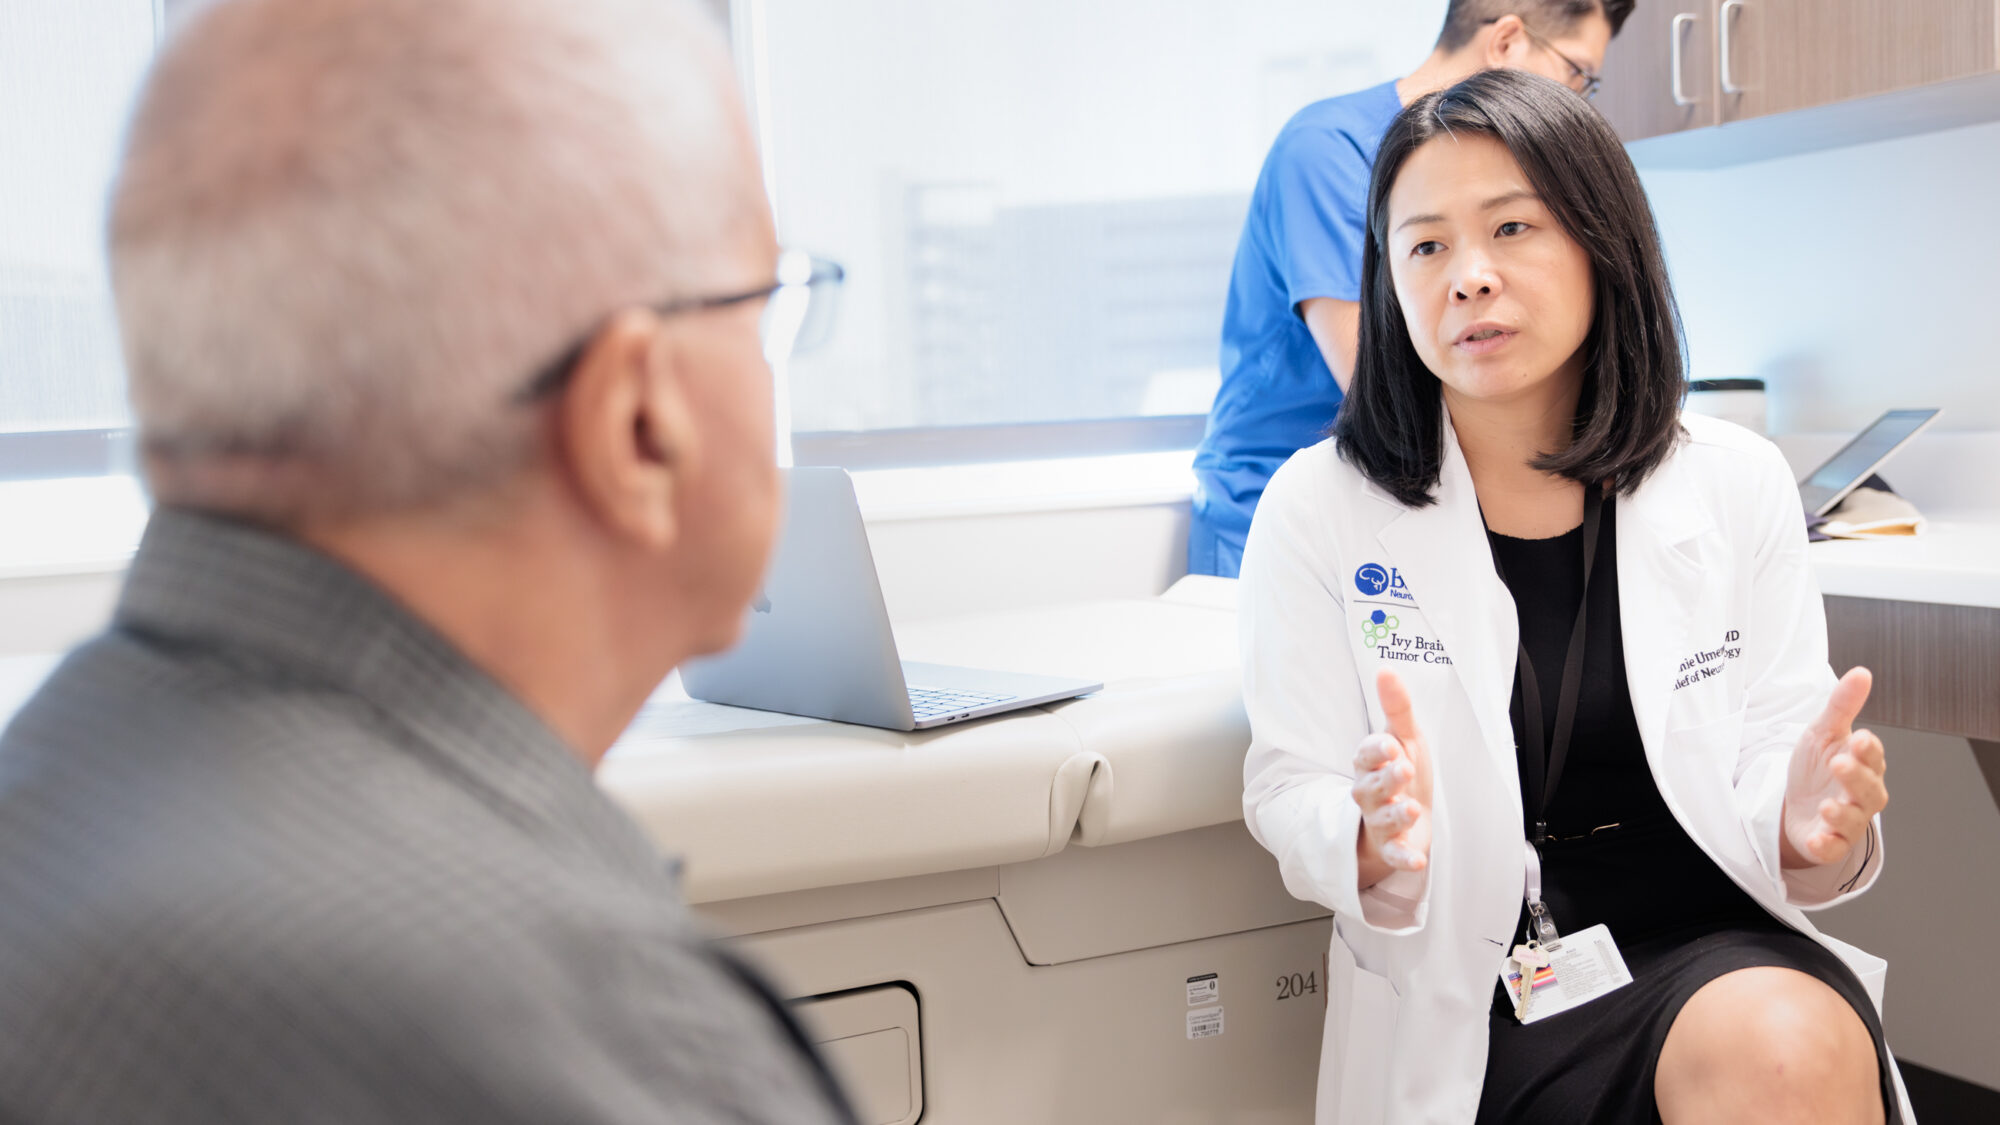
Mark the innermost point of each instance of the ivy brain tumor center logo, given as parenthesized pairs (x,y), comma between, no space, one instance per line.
(1378,627)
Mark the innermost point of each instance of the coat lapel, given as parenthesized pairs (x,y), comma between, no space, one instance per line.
(1659,583)
(1447,563)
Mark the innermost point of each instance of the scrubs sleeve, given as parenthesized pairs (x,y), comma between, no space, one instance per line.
(1317,211)
(1789,682)
(1308,710)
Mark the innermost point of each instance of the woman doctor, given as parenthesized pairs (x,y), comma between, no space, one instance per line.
(1583,633)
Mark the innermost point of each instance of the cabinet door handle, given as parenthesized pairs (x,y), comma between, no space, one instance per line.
(1674,59)
(1723,46)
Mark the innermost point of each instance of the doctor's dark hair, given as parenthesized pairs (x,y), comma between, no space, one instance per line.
(1391,426)
(1464,18)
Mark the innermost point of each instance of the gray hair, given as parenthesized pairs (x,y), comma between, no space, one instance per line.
(346,231)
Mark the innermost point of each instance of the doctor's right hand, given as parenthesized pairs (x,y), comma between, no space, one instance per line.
(1392,784)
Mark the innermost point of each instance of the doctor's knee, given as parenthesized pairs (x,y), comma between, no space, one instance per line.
(1768,1044)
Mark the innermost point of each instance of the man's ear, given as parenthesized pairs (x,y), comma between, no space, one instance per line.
(1506,39)
(626,430)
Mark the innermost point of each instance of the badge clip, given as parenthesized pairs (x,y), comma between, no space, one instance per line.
(1542,927)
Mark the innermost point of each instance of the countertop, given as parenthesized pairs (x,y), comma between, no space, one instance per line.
(1954,562)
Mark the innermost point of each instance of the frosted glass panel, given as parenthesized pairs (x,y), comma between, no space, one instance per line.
(1038,201)
(68,73)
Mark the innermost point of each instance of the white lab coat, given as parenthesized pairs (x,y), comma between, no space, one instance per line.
(1725,650)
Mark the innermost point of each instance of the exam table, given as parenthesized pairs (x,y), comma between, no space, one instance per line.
(1049,916)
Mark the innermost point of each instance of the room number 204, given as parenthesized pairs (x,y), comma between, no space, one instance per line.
(1297,985)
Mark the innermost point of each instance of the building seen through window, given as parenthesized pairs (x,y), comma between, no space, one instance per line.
(1038,202)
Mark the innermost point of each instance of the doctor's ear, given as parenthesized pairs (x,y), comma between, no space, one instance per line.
(1506,39)
(626,430)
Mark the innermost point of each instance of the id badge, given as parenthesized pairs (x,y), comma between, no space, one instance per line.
(1586,966)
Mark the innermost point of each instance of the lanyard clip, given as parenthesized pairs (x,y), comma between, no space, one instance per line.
(1541,927)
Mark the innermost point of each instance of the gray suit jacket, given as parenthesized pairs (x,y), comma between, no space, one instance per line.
(272,850)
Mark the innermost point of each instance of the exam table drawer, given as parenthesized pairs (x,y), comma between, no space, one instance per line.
(871,1039)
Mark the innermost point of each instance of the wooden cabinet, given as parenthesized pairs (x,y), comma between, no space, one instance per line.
(1740,59)
(1937,667)
(1778,55)
(1659,73)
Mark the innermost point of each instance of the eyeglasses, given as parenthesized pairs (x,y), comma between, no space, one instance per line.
(798,316)
(1592,81)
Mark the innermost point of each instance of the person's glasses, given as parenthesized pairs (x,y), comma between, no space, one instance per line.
(798,316)
(1592,81)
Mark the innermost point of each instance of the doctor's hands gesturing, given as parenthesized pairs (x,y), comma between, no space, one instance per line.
(1392,784)
(1835,786)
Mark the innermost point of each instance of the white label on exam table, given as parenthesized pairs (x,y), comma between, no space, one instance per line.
(1204,989)
(1203,1023)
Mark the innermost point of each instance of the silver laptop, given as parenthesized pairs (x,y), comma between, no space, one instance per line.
(1825,487)
(817,641)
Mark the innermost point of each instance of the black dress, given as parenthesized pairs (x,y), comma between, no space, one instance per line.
(1619,857)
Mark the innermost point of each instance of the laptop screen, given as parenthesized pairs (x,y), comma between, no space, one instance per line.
(1860,457)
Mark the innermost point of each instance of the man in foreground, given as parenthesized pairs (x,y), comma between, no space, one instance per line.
(441,318)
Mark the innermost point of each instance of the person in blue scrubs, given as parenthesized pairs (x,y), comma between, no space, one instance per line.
(1289,328)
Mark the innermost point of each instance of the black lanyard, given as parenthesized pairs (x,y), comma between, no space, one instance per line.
(1547,750)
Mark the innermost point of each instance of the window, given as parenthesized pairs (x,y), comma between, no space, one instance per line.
(68,73)
(1037,202)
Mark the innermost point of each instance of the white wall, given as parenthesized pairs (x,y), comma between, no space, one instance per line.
(1853,280)
(993,563)
(50,614)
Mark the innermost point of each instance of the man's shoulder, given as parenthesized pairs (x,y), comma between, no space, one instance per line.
(120,685)
(159,802)
(426,1002)
(1356,120)
(396,945)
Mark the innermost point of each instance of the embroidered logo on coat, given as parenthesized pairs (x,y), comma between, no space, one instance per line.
(1374,580)
(1709,663)
(1377,626)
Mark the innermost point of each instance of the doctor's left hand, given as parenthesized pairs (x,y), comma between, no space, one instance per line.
(1835,786)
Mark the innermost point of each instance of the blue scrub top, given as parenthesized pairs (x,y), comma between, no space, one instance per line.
(1308,219)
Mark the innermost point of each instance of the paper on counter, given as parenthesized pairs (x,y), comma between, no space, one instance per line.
(1870,513)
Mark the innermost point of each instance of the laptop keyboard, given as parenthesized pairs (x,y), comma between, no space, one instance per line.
(929,703)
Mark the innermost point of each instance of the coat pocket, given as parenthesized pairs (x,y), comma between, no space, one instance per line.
(1358,1052)
(1712,742)
(1368,949)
